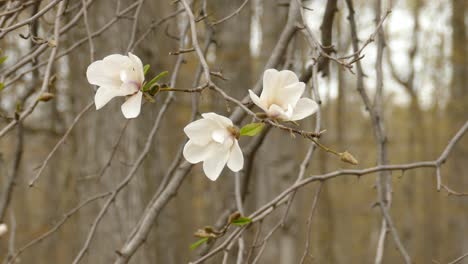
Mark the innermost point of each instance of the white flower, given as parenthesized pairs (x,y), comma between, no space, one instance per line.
(281,96)
(118,75)
(213,140)
(3,229)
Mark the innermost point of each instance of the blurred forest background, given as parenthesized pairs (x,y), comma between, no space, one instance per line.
(425,94)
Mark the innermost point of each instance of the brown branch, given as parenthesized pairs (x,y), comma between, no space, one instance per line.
(309,223)
(47,75)
(4,31)
(59,143)
(269,207)
(8,192)
(136,17)
(56,227)
(177,173)
(81,41)
(88,31)
(43,47)
(459,259)
(238,10)
(383,182)
(327,35)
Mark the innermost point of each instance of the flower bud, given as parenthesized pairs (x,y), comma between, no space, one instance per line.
(348,158)
(234,216)
(45,97)
(52,43)
(205,233)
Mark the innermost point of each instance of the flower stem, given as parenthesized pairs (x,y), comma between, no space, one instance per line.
(327,149)
(344,156)
(169,89)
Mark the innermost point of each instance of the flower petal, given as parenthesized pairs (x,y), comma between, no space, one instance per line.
(132,107)
(117,59)
(274,81)
(221,120)
(287,77)
(213,166)
(195,153)
(256,100)
(290,94)
(270,77)
(200,131)
(128,88)
(98,74)
(138,65)
(304,108)
(106,72)
(278,112)
(104,95)
(236,158)
(219,135)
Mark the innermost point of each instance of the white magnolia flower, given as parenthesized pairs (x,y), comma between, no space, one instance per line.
(213,140)
(281,96)
(3,229)
(118,75)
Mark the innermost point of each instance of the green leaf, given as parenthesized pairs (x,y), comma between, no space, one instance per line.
(198,243)
(2,85)
(251,129)
(241,221)
(153,81)
(3,59)
(146,68)
(148,98)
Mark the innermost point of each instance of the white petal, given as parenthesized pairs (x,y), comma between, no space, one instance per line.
(290,94)
(270,77)
(117,59)
(256,100)
(274,81)
(99,74)
(221,120)
(138,65)
(106,72)
(195,153)
(104,95)
(236,158)
(200,131)
(128,88)
(304,108)
(289,112)
(132,71)
(287,77)
(278,112)
(219,135)
(213,166)
(124,76)
(131,108)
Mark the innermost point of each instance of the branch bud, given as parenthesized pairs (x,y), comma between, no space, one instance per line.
(45,97)
(348,158)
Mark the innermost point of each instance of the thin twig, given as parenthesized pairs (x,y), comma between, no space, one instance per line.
(57,226)
(59,143)
(238,10)
(309,223)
